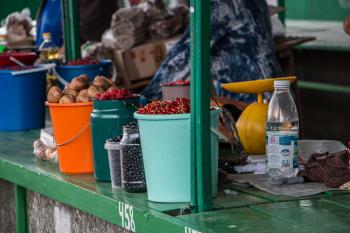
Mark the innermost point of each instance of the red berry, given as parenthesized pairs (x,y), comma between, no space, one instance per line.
(118,96)
(177,106)
(105,96)
(82,62)
(113,90)
(177,83)
(97,96)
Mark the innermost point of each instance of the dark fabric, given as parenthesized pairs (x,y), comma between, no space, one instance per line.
(331,169)
(49,20)
(95,18)
(242,49)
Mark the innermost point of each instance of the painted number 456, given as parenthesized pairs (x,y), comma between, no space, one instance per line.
(127,216)
(189,230)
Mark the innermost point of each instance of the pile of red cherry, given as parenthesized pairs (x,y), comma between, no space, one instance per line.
(114,94)
(16,68)
(177,106)
(80,62)
(178,83)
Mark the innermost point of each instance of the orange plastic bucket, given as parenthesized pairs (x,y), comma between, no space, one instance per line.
(71,125)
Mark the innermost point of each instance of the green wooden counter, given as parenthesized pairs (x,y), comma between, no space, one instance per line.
(250,210)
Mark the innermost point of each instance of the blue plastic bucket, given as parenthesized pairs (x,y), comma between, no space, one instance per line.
(22,100)
(165,142)
(91,70)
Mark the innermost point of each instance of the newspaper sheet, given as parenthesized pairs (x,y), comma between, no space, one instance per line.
(294,190)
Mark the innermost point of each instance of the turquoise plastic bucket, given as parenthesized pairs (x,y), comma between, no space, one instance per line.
(107,120)
(165,142)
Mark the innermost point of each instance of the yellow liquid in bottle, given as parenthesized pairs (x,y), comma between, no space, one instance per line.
(50,54)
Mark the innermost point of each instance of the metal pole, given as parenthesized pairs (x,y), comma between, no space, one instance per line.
(327,87)
(70,10)
(21,209)
(282,15)
(200,115)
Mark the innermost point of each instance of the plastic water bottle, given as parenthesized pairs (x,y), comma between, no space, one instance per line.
(282,133)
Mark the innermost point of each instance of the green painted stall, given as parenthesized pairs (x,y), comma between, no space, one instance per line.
(248,210)
(7,7)
(333,10)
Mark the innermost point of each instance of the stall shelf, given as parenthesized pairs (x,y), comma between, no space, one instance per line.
(247,210)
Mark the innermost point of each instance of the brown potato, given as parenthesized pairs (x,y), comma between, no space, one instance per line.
(83,99)
(93,90)
(83,92)
(84,78)
(68,91)
(101,81)
(67,99)
(78,83)
(109,81)
(54,94)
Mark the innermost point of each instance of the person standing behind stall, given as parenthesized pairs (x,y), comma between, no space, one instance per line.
(94,18)
(49,19)
(242,49)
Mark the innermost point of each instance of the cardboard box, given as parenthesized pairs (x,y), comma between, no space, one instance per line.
(142,61)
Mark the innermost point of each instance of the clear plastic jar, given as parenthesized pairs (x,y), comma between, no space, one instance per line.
(113,149)
(133,175)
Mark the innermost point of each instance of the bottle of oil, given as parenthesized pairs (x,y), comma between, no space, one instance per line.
(2,43)
(48,50)
(49,54)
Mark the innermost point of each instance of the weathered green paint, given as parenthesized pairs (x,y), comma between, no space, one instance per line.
(270,197)
(240,220)
(194,200)
(342,201)
(313,215)
(248,211)
(225,201)
(8,7)
(200,120)
(21,211)
(71,29)
(19,166)
(315,10)
(105,205)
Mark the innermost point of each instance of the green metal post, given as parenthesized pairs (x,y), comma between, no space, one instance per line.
(194,201)
(21,210)
(71,29)
(200,115)
(327,87)
(282,15)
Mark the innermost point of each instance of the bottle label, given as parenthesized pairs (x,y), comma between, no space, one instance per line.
(282,149)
